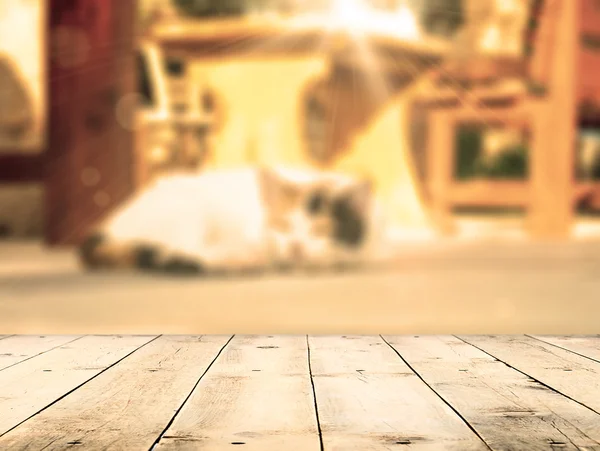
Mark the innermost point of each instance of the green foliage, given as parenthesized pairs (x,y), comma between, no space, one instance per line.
(511,163)
(508,164)
(467,145)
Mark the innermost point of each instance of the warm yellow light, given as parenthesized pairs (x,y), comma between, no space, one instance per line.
(348,14)
(405,23)
(355,16)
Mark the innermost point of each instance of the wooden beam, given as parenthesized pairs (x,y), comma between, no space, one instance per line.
(481,67)
(489,193)
(512,193)
(226,38)
(440,156)
(519,115)
(552,156)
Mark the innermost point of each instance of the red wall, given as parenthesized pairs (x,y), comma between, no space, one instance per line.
(589,58)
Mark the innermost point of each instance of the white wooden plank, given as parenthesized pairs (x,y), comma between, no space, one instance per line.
(349,353)
(127,406)
(368,399)
(568,373)
(588,346)
(506,408)
(258,393)
(32,385)
(19,348)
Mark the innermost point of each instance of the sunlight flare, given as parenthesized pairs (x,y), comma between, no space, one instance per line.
(355,16)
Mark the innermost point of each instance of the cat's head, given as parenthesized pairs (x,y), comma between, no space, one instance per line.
(311,220)
(349,207)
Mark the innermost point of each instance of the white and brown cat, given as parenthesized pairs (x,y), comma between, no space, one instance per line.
(241,219)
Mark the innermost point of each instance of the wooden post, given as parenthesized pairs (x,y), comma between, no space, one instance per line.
(89,160)
(552,157)
(440,156)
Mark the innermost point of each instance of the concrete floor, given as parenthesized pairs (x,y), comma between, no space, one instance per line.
(493,287)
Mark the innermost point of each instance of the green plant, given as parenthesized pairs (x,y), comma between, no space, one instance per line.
(468,144)
(510,163)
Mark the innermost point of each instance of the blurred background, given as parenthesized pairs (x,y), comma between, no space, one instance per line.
(472,117)
(477,120)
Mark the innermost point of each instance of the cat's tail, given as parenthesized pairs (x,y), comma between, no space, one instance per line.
(99,252)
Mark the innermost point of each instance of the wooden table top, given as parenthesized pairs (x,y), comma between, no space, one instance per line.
(306,393)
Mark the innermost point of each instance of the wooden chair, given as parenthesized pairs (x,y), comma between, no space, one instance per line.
(538,93)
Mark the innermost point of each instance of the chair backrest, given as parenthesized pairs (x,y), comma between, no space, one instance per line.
(540,38)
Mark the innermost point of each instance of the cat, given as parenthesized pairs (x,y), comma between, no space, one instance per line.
(238,219)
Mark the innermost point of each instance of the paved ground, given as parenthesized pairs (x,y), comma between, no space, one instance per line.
(442,288)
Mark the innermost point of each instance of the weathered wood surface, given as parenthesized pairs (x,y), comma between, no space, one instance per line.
(568,373)
(303,393)
(17,349)
(368,398)
(127,407)
(493,398)
(588,346)
(258,393)
(31,386)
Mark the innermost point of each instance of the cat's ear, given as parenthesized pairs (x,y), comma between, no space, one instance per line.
(274,187)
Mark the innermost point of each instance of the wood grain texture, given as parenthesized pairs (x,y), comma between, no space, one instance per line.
(127,407)
(552,154)
(509,410)
(258,393)
(439,170)
(27,388)
(368,398)
(568,373)
(17,349)
(588,346)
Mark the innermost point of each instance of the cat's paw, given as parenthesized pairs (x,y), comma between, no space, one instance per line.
(146,257)
(88,251)
(182,266)
(345,266)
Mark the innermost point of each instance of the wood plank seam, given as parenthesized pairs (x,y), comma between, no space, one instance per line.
(543,384)
(127,407)
(40,353)
(78,386)
(507,409)
(563,348)
(458,414)
(178,411)
(314,393)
